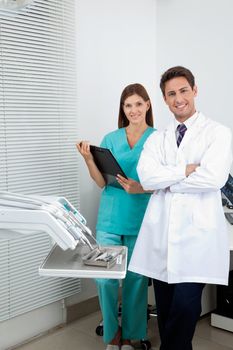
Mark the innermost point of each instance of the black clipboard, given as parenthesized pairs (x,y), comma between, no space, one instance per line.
(107,165)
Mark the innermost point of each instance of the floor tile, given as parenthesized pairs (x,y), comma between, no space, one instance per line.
(66,339)
(87,324)
(205,344)
(81,335)
(216,335)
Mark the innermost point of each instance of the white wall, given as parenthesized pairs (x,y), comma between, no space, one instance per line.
(115,47)
(18,329)
(120,42)
(198,34)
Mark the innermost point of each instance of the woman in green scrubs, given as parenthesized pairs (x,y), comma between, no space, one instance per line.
(120,216)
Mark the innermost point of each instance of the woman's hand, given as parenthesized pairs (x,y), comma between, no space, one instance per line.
(84,149)
(130,185)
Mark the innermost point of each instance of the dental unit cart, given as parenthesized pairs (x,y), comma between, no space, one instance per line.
(73,253)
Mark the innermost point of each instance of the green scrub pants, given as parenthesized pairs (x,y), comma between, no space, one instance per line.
(134,296)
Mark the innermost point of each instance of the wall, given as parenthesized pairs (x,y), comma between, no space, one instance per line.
(18,329)
(120,44)
(197,34)
(124,42)
(115,47)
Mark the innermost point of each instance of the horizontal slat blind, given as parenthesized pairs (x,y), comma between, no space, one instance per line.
(38,130)
(4,277)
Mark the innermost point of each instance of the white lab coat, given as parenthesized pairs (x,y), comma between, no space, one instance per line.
(183,237)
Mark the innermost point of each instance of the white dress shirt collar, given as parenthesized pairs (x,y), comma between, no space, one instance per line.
(187,122)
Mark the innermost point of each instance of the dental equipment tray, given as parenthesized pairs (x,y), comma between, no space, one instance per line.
(76,252)
(71,263)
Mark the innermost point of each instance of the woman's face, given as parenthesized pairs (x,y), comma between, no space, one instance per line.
(135,109)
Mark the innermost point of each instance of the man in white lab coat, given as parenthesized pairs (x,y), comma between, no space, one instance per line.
(183,241)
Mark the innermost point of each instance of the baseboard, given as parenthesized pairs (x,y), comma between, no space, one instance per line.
(86,307)
(222,322)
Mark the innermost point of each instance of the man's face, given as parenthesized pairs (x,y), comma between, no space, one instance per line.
(179,96)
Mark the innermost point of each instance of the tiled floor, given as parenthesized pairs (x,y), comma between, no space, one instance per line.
(80,335)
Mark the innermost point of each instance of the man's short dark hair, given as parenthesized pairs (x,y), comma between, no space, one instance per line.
(176,72)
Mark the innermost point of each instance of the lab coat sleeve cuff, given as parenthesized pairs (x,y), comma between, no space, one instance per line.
(175,188)
(180,173)
(163,178)
(182,170)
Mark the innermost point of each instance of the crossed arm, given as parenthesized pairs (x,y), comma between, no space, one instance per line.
(209,175)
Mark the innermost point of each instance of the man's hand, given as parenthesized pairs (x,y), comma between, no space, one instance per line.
(190,168)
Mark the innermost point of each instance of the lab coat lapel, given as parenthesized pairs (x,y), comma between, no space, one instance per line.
(170,146)
(173,154)
(192,132)
(170,137)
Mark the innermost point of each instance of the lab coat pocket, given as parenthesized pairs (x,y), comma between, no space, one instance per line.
(154,209)
(204,213)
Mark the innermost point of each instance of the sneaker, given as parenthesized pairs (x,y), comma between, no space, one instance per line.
(112,347)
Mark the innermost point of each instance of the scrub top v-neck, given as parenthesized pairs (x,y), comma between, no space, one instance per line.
(120,212)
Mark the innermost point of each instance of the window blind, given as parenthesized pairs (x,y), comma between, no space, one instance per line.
(38,130)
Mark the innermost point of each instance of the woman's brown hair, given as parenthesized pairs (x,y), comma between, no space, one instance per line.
(134,89)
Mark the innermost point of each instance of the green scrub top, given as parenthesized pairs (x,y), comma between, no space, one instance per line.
(120,212)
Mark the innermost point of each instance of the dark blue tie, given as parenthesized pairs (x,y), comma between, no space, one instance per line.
(181,128)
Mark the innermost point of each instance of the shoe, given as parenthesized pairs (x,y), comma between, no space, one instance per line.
(113,347)
(127,347)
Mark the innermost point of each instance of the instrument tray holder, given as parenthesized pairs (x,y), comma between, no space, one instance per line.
(74,263)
